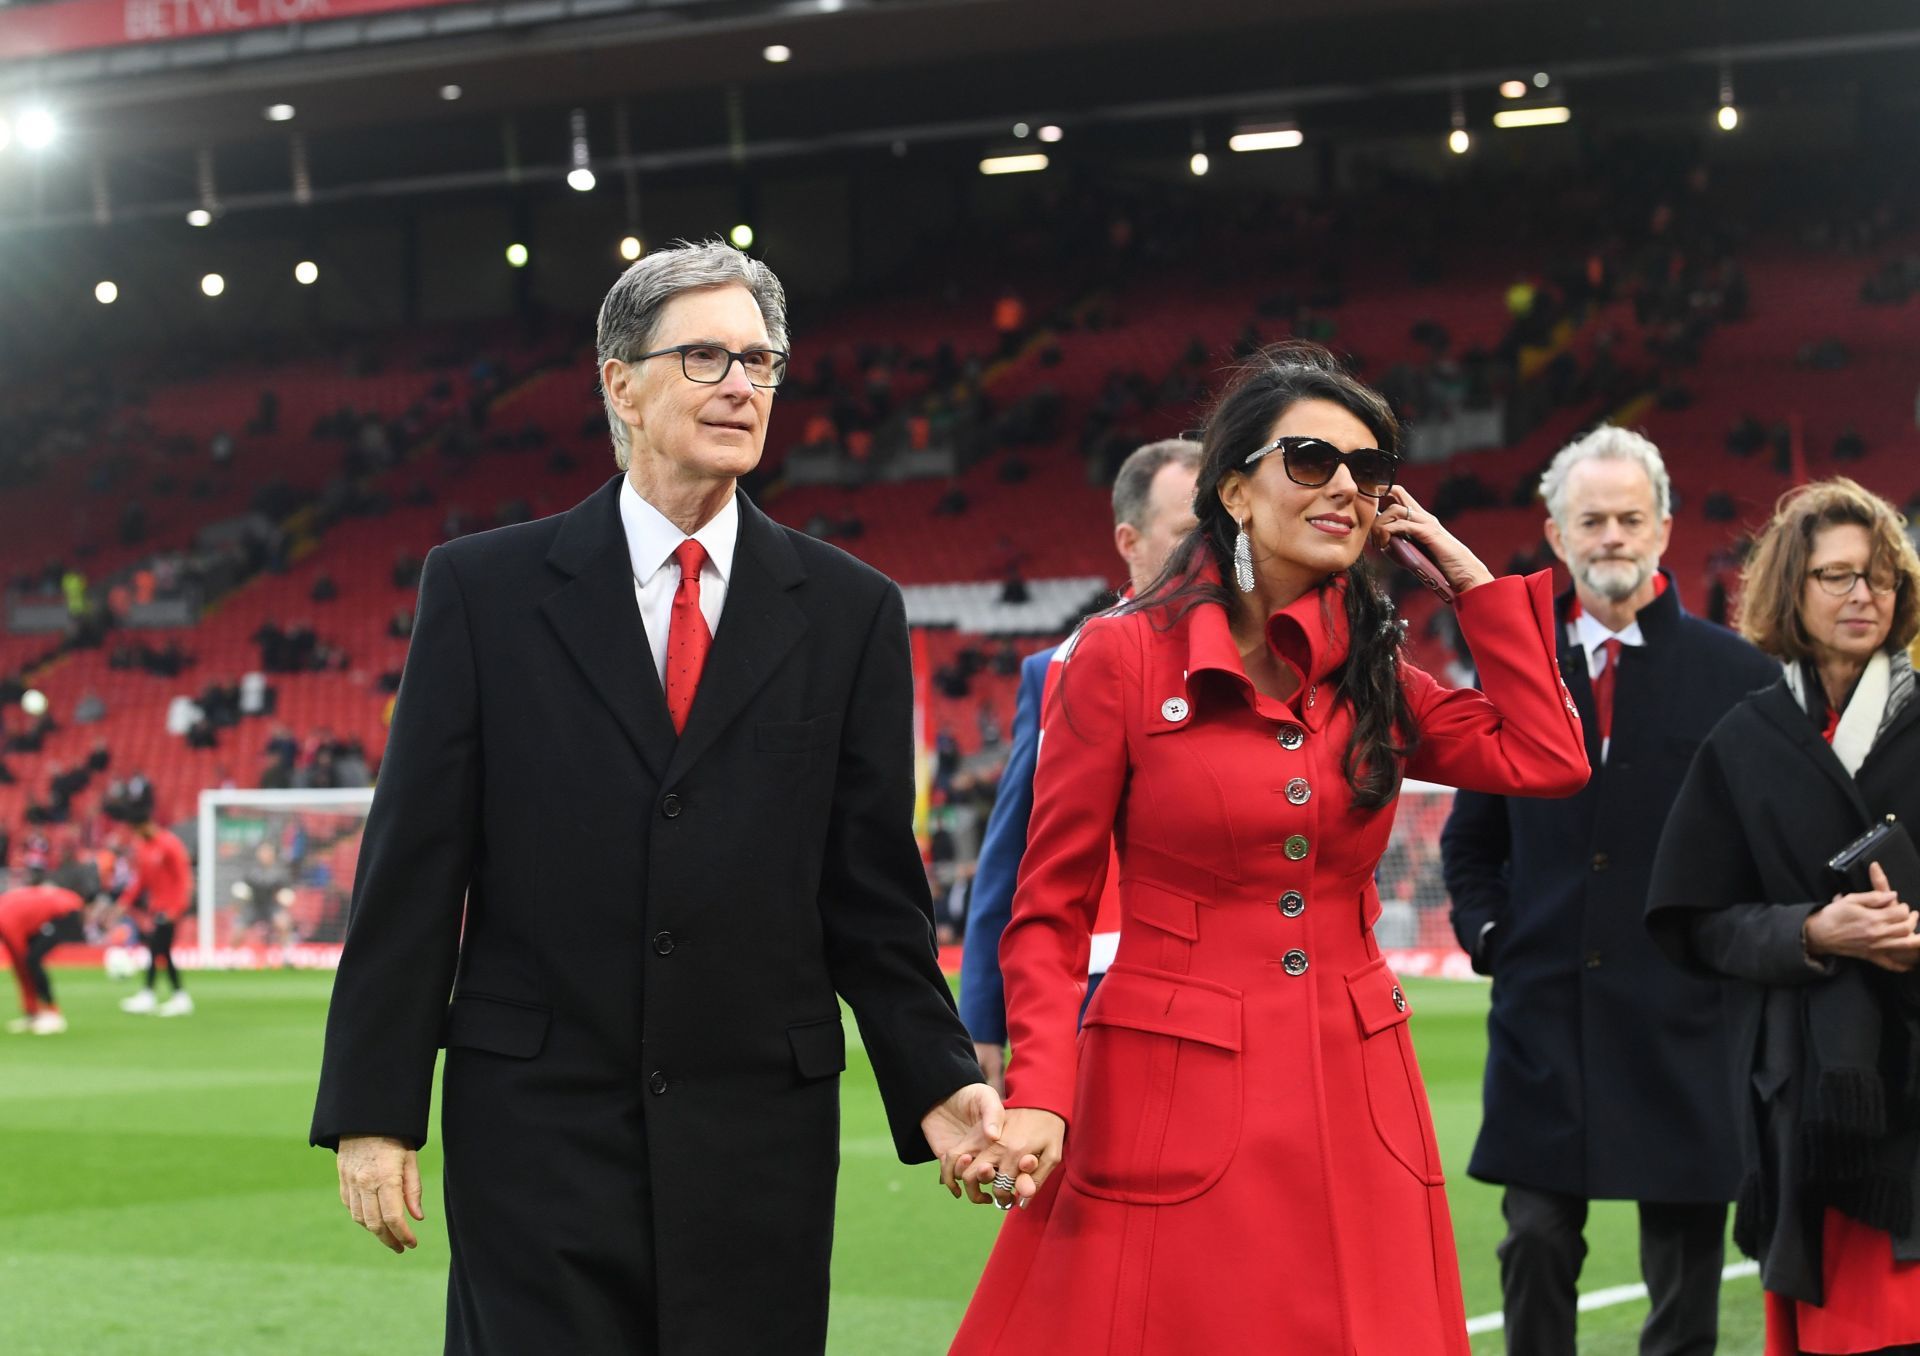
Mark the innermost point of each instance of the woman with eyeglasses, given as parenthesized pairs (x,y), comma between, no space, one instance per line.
(1826,1014)
(1236,1155)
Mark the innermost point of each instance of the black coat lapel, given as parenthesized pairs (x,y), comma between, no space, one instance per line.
(597,618)
(1777,704)
(759,625)
(1573,671)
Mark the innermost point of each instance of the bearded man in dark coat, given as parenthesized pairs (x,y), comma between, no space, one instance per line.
(1604,1077)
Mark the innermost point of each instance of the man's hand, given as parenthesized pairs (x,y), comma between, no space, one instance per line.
(380,1185)
(961,1127)
(993,1063)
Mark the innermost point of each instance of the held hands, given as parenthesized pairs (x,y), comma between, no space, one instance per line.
(1401,516)
(1027,1150)
(1870,925)
(960,1127)
(380,1185)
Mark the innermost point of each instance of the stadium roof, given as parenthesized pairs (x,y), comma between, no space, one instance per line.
(693,87)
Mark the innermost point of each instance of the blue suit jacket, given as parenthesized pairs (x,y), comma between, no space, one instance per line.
(983,1004)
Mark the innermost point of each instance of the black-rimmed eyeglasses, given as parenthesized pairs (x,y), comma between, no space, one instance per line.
(709,363)
(1839,581)
(1312,462)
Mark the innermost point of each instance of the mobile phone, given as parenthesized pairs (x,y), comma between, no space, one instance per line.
(1423,569)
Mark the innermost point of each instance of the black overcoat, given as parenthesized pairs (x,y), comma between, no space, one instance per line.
(642,1017)
(1765,805)
(1604,1059)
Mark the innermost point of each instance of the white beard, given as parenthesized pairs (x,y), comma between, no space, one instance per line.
(1617,579)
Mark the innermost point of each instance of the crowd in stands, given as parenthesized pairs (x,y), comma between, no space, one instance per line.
(1098,320)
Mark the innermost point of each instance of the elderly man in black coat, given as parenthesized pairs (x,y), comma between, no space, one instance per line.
(1605,1061)
(659,749)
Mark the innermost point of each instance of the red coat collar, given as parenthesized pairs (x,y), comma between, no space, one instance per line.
(1309,635)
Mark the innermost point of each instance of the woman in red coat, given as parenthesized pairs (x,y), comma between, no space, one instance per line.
(1251,1165)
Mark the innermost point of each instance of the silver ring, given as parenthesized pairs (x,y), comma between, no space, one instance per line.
(1003,1182)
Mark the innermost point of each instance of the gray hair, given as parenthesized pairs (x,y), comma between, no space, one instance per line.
(1608,443)
(1135,481)
(630,315)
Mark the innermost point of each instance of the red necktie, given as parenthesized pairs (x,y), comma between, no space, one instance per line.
(688,639)
(1602,687)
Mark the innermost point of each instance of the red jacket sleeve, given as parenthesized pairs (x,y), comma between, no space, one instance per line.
(1519,734)
(1078,784)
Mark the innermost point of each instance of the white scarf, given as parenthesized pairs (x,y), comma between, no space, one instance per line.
(1882,690)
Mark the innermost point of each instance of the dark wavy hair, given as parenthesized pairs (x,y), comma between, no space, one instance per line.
(1261,390)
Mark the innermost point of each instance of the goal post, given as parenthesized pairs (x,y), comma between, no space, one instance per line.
(274,872)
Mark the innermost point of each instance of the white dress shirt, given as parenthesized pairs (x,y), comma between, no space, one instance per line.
(652,538)
(1592,635)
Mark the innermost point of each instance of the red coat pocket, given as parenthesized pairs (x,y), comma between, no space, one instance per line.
(1157,1105)
(1395,1094)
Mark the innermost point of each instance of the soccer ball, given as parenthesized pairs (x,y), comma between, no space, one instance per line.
(120,963)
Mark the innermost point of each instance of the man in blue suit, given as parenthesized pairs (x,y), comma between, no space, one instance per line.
(1152,511)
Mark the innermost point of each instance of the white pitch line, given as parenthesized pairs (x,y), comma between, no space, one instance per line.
(1606,1299)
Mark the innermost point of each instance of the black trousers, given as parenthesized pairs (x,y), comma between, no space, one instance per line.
(1682,1250)
(66,928)
(160,952)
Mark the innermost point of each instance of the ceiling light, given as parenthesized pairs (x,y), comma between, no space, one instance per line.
(451,92)
(213,284)
(1265,139)
(199,216)
(37,129)
(778,53)
(306,273)
(106,293)
(1020,129)
(1458,141)
(1013,164)
(1050,133)
(1513,89)
(1532,117)
(581,180)
(631,248)
(1199,164)
(1541,80)
(741,236)
(1728,117)
(279,112)
(517,255)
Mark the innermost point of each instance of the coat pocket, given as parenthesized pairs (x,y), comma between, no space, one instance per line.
(1395,1095)
(1156,1112)
(819,1048)
(496,1025)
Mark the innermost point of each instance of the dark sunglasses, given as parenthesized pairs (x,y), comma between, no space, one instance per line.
(1314,461)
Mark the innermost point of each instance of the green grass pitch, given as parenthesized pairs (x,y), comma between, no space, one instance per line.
(157,1196)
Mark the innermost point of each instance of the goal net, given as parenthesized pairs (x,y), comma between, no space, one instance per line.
(1415,930)
(274,874)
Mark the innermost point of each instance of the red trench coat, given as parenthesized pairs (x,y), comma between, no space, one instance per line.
(1250,1165)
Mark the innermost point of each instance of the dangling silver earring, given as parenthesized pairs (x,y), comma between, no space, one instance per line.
(1243,561)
